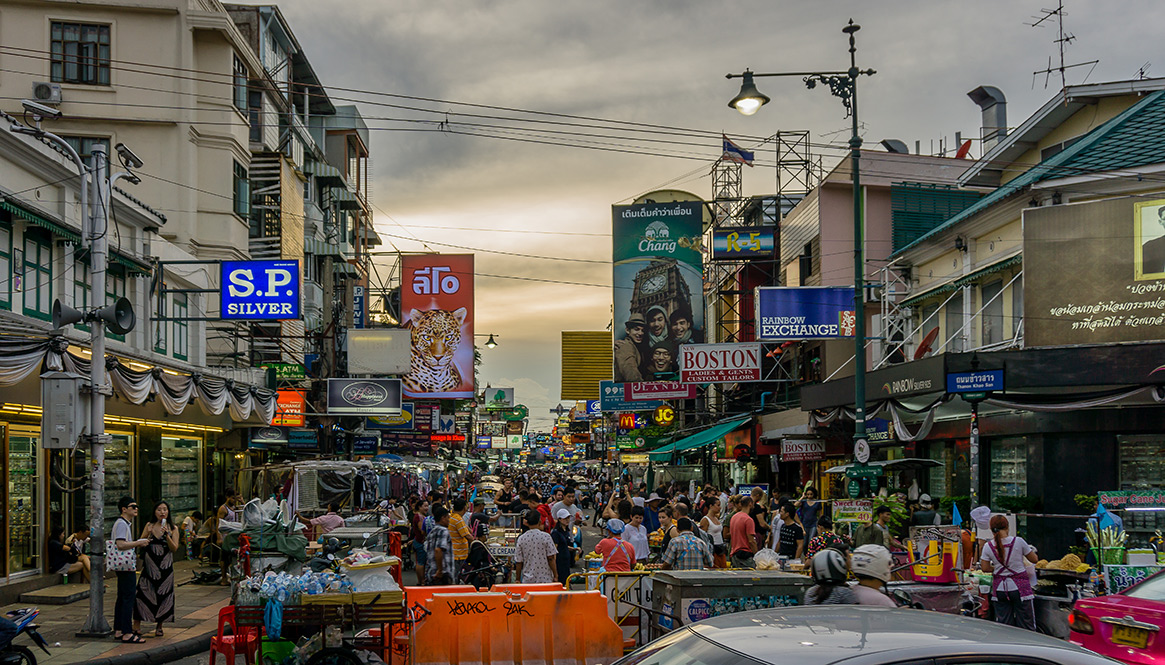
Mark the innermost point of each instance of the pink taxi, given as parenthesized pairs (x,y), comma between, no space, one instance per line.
(1127,626)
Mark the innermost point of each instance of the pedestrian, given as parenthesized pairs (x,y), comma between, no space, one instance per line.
(190,527)
(826,538)
(567,503)
(155,594)
(617,555)
(712,525)
(871,566)
(686,551)
(926,515)
(1012,597)
(788,536)
(479,521)
(742,535)
(417,535)
(760,515)
(65,559)
(459,533)
(329,521)
(636,534)
(126,579)
(438,549)
(563,543)
(809,511)
(535,552)
(226,513)
(877,532)
(829,572)
(651,512)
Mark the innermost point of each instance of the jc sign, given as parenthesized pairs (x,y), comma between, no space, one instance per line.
(260,290)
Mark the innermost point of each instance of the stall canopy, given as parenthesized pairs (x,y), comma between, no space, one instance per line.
(905,464)
(700,439)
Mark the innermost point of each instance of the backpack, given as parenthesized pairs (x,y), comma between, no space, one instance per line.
(702,535)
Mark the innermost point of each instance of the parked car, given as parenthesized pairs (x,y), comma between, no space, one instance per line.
(855,635)
(1126,625)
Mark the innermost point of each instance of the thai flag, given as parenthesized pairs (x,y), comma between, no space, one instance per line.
(735,153)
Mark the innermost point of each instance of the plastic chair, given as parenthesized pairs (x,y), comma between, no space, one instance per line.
(245,641)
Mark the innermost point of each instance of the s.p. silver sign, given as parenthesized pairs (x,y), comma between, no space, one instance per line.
(259,290)
(364,397)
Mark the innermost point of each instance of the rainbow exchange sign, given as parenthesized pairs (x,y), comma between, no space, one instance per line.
(720,363)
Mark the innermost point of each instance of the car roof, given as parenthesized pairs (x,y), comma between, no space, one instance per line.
(858,634)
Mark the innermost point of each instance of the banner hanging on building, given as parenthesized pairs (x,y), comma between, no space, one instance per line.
(364,397)
(745,242)
(805,312)
(720,363)
(658,287)
(437,306)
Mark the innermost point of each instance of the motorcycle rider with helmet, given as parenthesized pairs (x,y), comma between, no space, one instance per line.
(871,565)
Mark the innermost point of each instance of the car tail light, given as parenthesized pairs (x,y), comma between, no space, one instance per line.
(1079,622)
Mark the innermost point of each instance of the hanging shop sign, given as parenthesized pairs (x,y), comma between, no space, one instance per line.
(498,442)
(747,489)
(805,312)
(365,445)
(483,442)
(259,290)
(358,306)
(879,430)
(437,306)
(974,382)
(290,406)
(658,292)
(657,390)
(1133,499)
(664,415)
(499,398)
(802,450)
(364,397)
(594,408)
(303,439)
(1119,578)
(720,363)
(633,458)
(514,441)
(745,242)
(853,510)
(424,417)
(737,446)
(403,421)
(612,397)
(268,436)
(406,443)
(286,371)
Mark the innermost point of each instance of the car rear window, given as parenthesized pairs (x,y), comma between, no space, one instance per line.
(1151,589)
(684,647)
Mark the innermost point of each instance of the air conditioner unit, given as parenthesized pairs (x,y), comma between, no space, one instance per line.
(46,93)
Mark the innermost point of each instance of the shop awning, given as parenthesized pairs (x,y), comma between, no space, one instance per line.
(700,439)
(905,464)
(35,218)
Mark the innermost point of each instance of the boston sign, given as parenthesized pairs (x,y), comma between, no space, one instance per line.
(719,363)
(364,397)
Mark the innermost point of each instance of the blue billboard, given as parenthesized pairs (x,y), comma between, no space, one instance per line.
(745,242)
(612,398)
(805,312)
(259,290)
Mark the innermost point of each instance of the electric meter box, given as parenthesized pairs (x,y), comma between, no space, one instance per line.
(65,409)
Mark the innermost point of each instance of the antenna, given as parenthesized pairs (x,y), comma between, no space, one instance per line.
(1143,72)
(1062,40)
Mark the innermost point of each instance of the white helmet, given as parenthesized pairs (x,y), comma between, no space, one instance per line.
(828,567)
(871,561)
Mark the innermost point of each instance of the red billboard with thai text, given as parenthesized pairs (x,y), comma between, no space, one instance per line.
(437,307)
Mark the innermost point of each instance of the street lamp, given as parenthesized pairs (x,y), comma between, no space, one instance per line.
(491,344)
(843,85)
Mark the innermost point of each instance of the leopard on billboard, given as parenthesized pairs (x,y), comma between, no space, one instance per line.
(437,307)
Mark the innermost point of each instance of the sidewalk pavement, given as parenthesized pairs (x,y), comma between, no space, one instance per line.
(196,620)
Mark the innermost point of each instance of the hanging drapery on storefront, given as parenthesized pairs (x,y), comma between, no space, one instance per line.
(896,409)
(1157,393)
(20,357)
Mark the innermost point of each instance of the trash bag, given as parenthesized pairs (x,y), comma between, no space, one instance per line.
(766,559)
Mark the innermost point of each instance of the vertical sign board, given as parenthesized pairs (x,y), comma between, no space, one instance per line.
(658,286)
(262,290)
(437,306)
(358,306)
(805,312)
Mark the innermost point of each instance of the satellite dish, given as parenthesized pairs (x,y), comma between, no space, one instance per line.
(925,347)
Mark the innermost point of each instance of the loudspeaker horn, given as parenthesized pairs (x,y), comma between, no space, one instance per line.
(64,315)
(119,316)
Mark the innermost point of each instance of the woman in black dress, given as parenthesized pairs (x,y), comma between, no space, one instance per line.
(155,597)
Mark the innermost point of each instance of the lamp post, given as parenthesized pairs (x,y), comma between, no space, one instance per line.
(843,85)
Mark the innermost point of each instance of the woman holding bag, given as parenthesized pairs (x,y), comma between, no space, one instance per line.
(122,559)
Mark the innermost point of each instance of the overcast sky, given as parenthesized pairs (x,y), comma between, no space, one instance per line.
(659,62)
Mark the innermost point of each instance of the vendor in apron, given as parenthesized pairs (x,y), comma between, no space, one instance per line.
(1012,597)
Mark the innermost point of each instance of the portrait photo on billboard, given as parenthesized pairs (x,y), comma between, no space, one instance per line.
(437,308)
(1149,232)
(658,294)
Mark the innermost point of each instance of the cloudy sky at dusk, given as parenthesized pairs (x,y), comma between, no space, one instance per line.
(660,63)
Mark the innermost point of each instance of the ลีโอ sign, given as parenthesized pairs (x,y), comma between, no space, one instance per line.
(657,390)
(259,290)
(802,450)
(437,306)
(974,382)
(805,312)
(290,406)
(720,363)
(364,397)
(746,242)
(612,397)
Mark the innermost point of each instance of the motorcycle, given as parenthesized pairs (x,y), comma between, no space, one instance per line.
(15,654)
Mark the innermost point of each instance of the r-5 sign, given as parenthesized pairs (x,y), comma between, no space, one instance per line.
(259,290)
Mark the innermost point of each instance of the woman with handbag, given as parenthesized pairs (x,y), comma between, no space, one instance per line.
(121,558)
(155,596)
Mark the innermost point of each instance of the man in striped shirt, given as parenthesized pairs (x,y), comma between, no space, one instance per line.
(686,551)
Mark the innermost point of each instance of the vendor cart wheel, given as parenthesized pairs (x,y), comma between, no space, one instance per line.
(334,656)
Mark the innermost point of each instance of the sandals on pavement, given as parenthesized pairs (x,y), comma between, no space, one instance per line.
(159,633)
(134,638)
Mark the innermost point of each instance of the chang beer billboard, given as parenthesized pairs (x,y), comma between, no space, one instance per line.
(658,286)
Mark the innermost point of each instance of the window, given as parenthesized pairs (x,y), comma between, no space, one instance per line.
(992,313)
(1016,305)
(240,85)
(1141,464)
(307,189)
(80,53)
(242,189)
(114,289)
(81,290)
(181,327)
(255,115)
(84,145)
(954,316)
(1008,467)
(805,267)
(38,274)
(5,265)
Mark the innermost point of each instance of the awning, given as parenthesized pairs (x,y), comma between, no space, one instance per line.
(345,268)
(321,248)
(27,215)
(700,439)
(964,281)
(345,199)
(371,237)
(325,173)
(905,464)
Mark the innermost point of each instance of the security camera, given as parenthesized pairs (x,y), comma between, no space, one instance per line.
(41,110)
(128,157)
